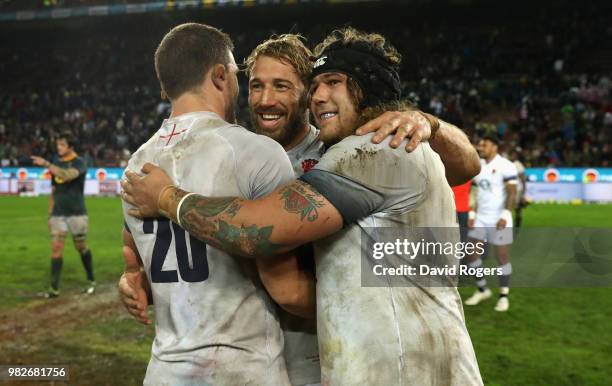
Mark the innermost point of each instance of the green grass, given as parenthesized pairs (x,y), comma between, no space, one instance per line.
(25,247)
(549,336)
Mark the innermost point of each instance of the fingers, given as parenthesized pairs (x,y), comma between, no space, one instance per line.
(126,185)
(148,168)
(137,312)
(125,196)
(386,129)
(372,125)
(414,142)
(402,132)
(136,213)
(130,175)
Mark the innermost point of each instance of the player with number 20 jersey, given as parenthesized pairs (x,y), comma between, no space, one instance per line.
(215,324)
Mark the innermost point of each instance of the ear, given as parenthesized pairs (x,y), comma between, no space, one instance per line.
(218,75)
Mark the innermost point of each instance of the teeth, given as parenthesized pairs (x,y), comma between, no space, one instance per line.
(328,115)
(270,116)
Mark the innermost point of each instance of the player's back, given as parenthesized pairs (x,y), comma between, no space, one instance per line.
(392,333)
(214,322)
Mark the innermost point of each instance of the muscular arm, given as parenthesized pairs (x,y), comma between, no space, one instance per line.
(68,174)
(289,217)
(289,283)
(457,153)
(510,194)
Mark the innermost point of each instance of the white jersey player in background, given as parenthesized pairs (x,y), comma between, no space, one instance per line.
(491,218)
(415,335)
(214,322)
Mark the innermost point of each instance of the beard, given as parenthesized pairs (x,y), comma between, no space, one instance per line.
(295,123)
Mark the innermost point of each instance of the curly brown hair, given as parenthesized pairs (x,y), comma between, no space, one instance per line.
(287,48)
(350,35)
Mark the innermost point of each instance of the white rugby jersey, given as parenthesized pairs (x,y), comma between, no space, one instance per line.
(301,344)
(491,182)
(214,322)
(305,155)
(388,334)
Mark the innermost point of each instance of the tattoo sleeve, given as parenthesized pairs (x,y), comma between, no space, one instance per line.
(65,174)
(298,200)
(245,227)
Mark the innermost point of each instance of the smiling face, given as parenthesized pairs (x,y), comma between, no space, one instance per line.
(333,107)
(277,100)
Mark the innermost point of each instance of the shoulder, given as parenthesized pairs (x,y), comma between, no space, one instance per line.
(358,152)
(507,164)
(247,143)
(377,166)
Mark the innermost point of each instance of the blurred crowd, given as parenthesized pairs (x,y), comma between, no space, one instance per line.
(544,88)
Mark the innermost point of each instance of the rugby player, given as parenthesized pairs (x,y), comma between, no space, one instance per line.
(214,322)
(374,336)
(67,212)
(491,218)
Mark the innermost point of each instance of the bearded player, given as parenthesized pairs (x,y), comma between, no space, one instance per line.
(416,335)
(67,212)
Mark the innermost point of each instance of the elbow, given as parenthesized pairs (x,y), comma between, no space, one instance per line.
(469,170)
(473,168)
(295,303)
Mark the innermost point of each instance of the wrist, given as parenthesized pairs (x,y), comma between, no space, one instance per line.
(506,215)
(168,201)
(434,124)
(471,215)
(47,164)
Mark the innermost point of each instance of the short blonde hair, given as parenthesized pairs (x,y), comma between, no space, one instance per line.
(287,48)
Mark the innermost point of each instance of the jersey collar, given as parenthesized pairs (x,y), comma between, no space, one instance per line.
(69,157)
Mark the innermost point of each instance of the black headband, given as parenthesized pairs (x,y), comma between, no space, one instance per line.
(378,79)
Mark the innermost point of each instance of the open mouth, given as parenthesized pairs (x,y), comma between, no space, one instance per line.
(269,119)
(327,115)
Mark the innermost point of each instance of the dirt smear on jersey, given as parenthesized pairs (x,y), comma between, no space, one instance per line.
(85,332)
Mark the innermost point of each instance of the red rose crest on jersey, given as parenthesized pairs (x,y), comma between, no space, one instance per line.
(308,164)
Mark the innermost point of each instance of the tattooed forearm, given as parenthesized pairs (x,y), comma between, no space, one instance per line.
(211,219)
(65,174)
(299,200)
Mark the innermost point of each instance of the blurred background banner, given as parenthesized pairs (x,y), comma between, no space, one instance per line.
(35,181)
(543,185)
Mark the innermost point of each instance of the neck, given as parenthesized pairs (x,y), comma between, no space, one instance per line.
(192,102)
(490,158)
(299,137)
(68,156)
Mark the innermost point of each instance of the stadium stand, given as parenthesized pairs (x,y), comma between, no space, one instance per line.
(539,77)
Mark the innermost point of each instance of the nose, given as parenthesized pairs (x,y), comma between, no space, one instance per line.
(320,94)
(267,97)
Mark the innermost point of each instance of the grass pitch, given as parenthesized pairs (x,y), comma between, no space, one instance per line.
(549,336)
